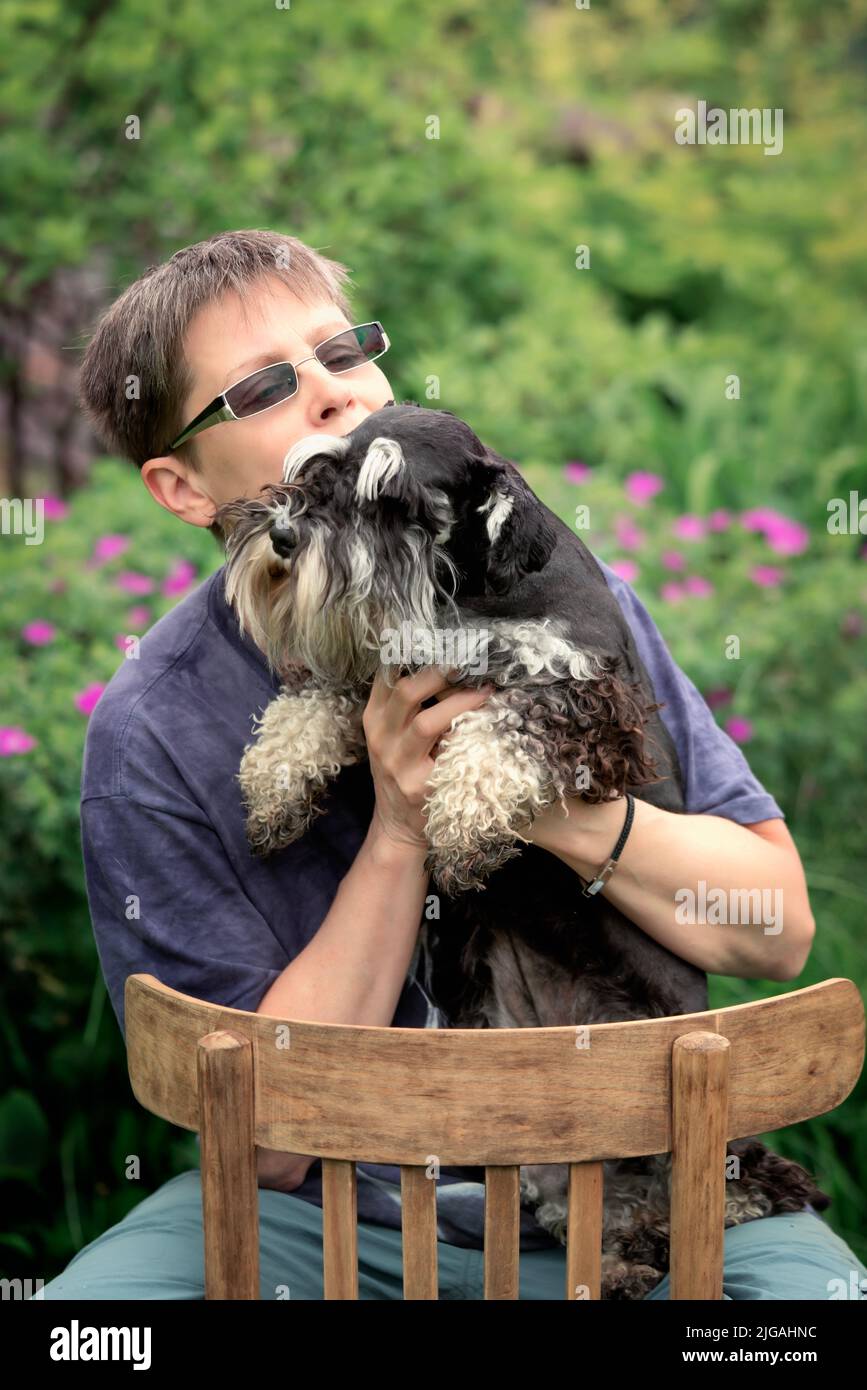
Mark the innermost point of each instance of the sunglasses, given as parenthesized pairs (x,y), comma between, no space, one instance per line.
(272,385)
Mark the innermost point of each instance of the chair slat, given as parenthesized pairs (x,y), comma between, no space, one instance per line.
(699,1094)
(230,1194)
(584,1231)
(793,1056)
(419,1226)
(339,1229)
(502,1230)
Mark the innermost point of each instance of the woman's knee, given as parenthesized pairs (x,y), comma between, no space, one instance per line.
(155,1252)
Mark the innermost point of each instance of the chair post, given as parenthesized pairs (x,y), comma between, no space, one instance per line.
(699,1098)
(584,1230)
(230,1196)
(502,1230)
(419,1226)
(339,1229)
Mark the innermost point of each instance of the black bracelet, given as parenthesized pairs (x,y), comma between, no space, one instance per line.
(608,869)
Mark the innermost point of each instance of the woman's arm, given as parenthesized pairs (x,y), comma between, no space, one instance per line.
(766,926)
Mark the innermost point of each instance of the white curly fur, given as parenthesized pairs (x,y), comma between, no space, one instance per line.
(539,649)
(483,785)
(303,740)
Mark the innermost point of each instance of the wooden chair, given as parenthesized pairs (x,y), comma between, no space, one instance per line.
(496,1098)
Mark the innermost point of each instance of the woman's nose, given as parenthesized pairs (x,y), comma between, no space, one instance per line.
(282,540)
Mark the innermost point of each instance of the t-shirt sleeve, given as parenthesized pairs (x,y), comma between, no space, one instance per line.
(717,777)
(165,901)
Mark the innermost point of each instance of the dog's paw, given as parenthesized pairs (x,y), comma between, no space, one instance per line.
(303,740)
(622,1281)
(272,827)
(529,1189)
(553,1218)
(455,872)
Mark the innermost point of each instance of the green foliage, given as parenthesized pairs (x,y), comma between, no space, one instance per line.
(555,131)
(62,1157)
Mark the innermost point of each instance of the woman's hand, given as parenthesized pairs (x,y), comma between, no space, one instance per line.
(401,744)
(281,1171)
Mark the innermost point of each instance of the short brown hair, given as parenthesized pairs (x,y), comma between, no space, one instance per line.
(141,335)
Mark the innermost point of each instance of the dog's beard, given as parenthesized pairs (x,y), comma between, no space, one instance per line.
(330,607)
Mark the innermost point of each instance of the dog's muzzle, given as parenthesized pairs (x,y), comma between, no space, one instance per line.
(283,541)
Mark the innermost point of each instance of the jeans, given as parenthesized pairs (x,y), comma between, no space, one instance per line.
(156,1252)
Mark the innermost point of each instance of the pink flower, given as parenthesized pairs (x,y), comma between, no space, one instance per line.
(688,528)
(630,536)
(741,730)
(758,518)
(139,616)
(672,560)
(625,569)
(39,633)
(641,487)
(87,698)
(14,740)
(787,537)
(697,585)
(766,576)
(719,696)
(577,472)
(108,548)
(135,583)
(57,586)
(720,520)
(671,592)
(54,508)
(179,577)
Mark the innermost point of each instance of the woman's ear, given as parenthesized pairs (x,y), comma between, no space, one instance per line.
(519,535)
(173,484)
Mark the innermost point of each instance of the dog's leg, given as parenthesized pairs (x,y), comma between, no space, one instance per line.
(487,781)
(761,1183)
(303,739)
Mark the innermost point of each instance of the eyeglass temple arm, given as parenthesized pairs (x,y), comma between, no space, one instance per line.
(211,415)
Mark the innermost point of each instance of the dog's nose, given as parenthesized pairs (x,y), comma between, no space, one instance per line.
(283,541)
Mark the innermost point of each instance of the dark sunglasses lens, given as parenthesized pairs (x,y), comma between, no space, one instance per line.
(352,348)
(268,387)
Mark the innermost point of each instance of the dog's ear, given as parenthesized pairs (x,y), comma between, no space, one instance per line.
(386,476)
(520,538)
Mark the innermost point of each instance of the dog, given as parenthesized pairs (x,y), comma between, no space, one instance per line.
(411,525)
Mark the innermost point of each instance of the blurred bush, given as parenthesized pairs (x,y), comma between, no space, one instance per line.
(70,611)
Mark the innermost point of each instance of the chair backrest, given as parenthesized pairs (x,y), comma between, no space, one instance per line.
(492,1098)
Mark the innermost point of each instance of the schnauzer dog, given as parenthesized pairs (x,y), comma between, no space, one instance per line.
(409,527)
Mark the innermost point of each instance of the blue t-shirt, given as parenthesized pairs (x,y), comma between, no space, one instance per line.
(175,892)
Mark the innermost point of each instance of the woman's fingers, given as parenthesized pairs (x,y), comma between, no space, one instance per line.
(393,707)
(398,728)
(429,725)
